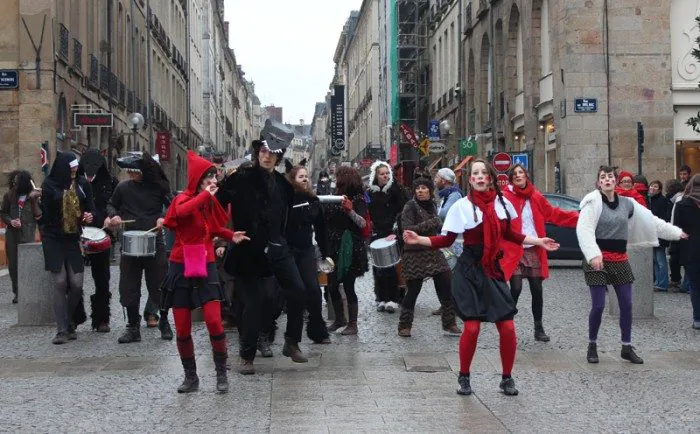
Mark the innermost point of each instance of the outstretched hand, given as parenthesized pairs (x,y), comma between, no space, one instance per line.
(549,244)
(239,237)
(410,237)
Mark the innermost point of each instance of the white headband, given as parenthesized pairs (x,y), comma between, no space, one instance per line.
(73,163)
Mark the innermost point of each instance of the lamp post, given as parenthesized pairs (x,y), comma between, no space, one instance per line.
(136,121)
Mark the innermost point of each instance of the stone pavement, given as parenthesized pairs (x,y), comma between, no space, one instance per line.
(373,382)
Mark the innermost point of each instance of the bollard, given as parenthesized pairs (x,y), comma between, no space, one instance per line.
(642,263)
(35,287)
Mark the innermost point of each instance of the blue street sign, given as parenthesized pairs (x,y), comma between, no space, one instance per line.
(434,130)
(522,159)
(9,79)
(585,105)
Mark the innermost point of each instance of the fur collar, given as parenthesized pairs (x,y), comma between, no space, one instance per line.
(373,176)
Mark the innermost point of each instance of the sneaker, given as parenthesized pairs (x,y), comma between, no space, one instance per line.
(508,387)
(628,353)
(592,355)
(61,338)
(465,387)
(246,367)
(381,307)
(391,307)
(452,330)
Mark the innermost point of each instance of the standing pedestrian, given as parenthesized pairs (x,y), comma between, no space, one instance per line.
(607,225)
(448,192)
(687,217)
(20,210)
(530,262)
(674,193)
(660,206)
(479,289)
(626,188)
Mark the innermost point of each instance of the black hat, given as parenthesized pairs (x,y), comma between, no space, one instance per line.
(423,181)
(275,136)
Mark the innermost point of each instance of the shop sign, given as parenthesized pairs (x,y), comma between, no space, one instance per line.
(163,145)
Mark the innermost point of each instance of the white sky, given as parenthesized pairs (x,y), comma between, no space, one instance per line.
(286,47)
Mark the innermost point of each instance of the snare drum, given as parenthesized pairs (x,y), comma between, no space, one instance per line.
(384,253)
(139,243)
(94,240)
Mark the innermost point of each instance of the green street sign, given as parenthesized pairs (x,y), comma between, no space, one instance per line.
(467,147)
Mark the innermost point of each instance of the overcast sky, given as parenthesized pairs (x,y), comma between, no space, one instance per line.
(286,47)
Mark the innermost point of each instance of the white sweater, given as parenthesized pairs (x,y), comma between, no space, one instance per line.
(644,228)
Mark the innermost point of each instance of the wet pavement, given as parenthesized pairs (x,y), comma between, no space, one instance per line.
(373,382)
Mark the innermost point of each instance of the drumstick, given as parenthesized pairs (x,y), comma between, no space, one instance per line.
(34,185)
(123,222)
(152,229)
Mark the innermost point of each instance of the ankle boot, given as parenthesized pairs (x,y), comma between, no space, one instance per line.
(592,356)
(628,353)
(465,387)
(291,349)
(405,322)
(540,335)
(166,333)
(191,382)
(132,332)
(221,375)
(340,321)
(264,346)
(351,328)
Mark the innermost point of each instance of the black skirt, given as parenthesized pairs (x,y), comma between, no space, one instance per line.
(476,296)
(179,291)
(59,251)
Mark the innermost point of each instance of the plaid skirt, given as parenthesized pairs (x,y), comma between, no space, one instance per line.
(530,264)
(613,273)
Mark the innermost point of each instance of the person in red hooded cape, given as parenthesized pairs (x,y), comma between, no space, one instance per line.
(196,217)
(528,261)
(625,187)
(479,290)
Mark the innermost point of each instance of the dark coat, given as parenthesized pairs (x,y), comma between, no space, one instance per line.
(661,207)
(687,217)
(103,186)
(337,222)
(247,192)
(306,221)
(384,207)
(420,262)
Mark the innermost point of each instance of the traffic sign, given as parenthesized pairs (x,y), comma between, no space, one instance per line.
(436,148)
(502,162)
(523,160)
(423,147)
(467,147)
(502,181)
(434,130)
(9,79)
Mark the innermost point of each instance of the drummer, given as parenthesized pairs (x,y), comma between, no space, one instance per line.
(143,199)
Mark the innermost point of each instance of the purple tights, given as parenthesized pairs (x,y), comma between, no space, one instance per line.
(624,300)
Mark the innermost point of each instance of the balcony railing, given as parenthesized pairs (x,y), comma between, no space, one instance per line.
(122,93)
(77,55)
(63,41)
(104,78)
(113,86)
(94,71)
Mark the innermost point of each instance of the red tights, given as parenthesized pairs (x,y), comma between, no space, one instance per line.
(467,345)
(183,329)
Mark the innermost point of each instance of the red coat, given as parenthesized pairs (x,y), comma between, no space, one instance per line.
(542,212)
(196,218)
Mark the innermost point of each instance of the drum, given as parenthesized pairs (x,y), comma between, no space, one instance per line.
(384,253)
(138,243)
(94,240)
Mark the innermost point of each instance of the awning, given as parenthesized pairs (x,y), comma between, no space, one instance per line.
(458,168)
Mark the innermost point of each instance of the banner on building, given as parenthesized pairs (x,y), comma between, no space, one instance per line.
(434,130)
(338,117)
(394,154)
(163,145)
(409,135)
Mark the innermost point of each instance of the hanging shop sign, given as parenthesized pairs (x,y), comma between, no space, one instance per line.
(163,145)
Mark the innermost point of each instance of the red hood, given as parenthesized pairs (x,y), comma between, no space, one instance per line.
(196,168)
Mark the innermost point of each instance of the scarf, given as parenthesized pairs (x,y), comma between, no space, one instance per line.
(446,192)
(427,205)
(632,194)
(492,230)
(524,193)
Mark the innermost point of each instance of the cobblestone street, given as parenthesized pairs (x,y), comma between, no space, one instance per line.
(372,382)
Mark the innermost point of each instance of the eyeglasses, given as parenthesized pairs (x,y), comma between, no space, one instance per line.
(626,181)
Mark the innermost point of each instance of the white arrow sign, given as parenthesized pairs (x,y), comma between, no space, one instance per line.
(437,148)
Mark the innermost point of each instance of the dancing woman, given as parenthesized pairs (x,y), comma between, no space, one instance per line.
(479,289)
(530,262)
(607,225)
(193,280)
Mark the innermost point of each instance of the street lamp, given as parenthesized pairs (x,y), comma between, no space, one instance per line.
(137,121)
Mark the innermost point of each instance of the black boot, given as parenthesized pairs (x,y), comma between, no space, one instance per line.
(340,320)
(628,353)
(351,328)
(132,332)
(465,387)
(99,308)
(191,382)
(592,352)
(221,376)
(508,386)
(291,349)
(405,322)
(166,333)
(264,346)
(540,335)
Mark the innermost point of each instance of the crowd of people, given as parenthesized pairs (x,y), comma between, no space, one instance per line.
(248,245)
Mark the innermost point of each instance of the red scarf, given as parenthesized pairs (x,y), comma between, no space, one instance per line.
(492,230)
(632,194)
(524,193)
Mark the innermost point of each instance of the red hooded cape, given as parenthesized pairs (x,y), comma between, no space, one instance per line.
(196,218)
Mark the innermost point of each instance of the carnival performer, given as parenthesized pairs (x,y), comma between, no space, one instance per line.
(386,200)
(261,200)
(66,204)
(420,215)
(347,230)
(306,222)
(93,167)
(530,262)
(143,198)
(479,289)
(608,224)
(20,210)
(686,215)
(193,280)
(626,188)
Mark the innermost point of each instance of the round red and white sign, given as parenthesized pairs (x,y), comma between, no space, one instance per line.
(502,162)
(502,181)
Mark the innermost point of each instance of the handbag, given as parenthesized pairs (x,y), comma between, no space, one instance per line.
(195,261)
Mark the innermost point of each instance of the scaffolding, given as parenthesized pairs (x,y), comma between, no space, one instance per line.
(410,105)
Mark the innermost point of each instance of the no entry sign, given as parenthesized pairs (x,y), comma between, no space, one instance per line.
(502,162)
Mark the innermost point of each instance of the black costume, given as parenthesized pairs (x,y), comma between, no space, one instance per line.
(145,202)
